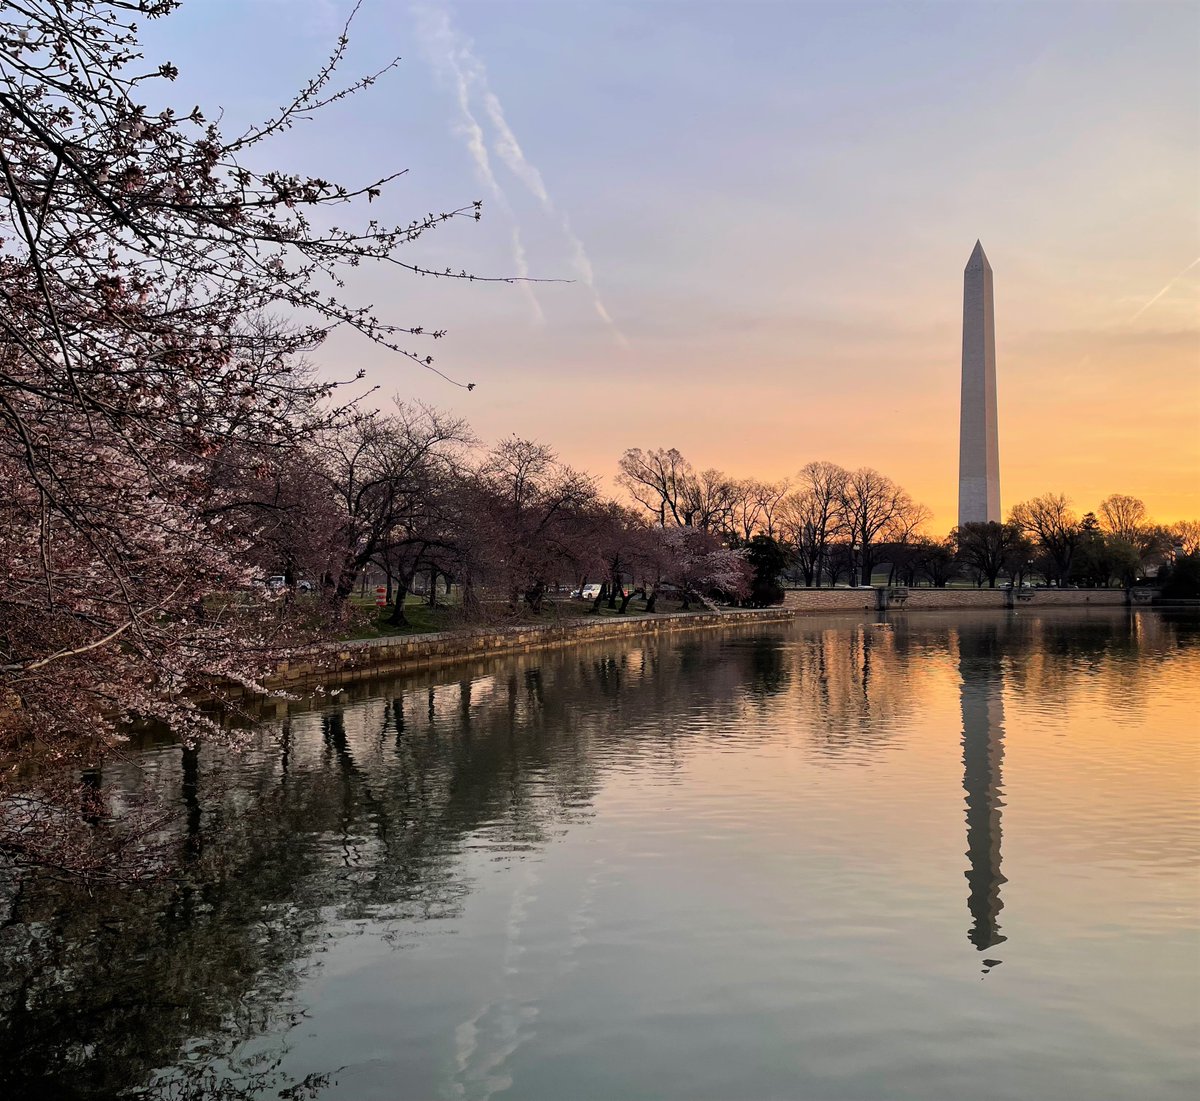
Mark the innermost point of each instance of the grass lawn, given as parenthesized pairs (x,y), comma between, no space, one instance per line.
(421,617)
(424,619)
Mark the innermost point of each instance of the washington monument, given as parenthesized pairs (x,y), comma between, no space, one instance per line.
(978,449)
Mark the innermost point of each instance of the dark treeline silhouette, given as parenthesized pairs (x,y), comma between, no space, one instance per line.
(837,526)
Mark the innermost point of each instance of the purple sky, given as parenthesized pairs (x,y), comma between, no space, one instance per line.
(765,209)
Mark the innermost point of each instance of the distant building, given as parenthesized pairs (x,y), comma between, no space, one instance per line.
(978,446)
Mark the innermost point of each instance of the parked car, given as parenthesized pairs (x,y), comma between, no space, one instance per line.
(590,592)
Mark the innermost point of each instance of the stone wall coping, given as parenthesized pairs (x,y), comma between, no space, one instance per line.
(575,623)
(467,642)
(338,662)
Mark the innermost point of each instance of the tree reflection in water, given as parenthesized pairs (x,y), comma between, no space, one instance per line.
(357,814)
(357,811)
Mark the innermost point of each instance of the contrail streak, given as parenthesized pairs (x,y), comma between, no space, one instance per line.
(445,54)
(451,53)
(509,151)
(1165,289)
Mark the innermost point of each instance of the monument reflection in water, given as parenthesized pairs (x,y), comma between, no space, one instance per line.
(713,865)
(981,668)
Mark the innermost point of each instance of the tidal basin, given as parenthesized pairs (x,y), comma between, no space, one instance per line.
(898,856)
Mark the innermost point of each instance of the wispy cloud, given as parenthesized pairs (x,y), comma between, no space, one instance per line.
(446,53)
(1169,285)
(452,55)
(509,150)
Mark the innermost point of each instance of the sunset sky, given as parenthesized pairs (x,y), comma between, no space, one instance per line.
(765,210)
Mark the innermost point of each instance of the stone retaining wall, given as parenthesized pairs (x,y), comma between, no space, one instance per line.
(830,600)
(342,662)
(956,598)
(1075,598)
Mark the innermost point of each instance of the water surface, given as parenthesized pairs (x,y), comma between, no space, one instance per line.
(938,856)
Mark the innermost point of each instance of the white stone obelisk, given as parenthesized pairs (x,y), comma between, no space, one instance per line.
(978,446)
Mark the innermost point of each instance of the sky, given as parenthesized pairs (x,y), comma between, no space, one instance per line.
(751,219)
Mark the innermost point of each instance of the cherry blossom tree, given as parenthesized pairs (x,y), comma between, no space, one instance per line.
(535,519)
(139,395)
(695,562)
(615,552)
(745,513)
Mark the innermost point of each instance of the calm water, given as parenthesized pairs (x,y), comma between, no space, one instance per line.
(942,857)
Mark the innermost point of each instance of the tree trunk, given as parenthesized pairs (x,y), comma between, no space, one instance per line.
(601,596)
(470,601)
(344,585)
(398,618)
(190,790)
(533,596)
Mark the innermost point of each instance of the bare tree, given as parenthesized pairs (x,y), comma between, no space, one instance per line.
(1124,519)
(382,471)
(769,496)
(902,531)
(991,548)
(937,561)
(756,507)
(1123,515)
(659,481)
(1054,527)
(746,508)
(811,517)
(709,501)
(1185,534)
(870,502)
